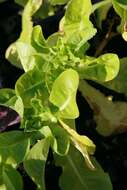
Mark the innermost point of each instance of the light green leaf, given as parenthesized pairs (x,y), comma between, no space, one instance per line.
(31,7)
(110,116)
(35,162)
(73,15)
(75,26)
(31,85)
(27,26)
(12,55)
(14,146)
(77,175)
(103,68)
(119,83)
(26,55)
(81,142)
(37,40)
(63,94)
(10,179)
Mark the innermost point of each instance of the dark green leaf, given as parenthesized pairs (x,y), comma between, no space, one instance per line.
(77,175)
(10,179)
(14,146)
(21,2)
(61,141)
(35,162)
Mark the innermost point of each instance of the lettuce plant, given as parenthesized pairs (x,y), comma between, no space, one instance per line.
(45,99)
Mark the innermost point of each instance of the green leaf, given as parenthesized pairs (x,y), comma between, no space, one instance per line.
(37,40)
(102,11)
(59,2)
(35,162)
(14,146)
(103,68)
(77,175)
(59,138)
(9,99)
(53,39)
(44,11)
(26,55)
(41,111)
(37,116)
(31,85)
(25,36)
(34,119)
(75,26)
(6,94)
(73,15)
(10,179)
(119,84)
(16,104)
(63,94)
(120,7)
(21,2)
(12,55)
(31,7)
(61,141)
(110,116)
(81,142)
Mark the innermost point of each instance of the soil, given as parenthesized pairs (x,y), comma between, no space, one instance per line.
(111,152)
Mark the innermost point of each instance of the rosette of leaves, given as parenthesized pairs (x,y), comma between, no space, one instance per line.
(45,98)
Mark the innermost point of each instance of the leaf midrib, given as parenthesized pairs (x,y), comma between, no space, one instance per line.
(76,172)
